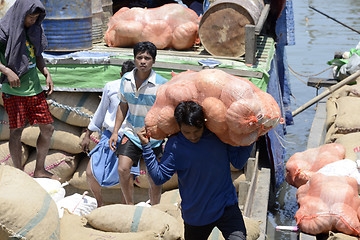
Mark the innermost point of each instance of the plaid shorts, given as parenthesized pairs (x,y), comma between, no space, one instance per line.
(32,108)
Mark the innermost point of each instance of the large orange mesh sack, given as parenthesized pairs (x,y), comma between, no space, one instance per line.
(328,203)
(236,110)
(169,26)
(302,165)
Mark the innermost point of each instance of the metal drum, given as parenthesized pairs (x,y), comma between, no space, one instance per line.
(68,25)
(97,22)
(222,27)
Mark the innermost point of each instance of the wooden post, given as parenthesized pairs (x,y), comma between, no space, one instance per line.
(250,44)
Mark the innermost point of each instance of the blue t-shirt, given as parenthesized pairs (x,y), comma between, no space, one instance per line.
(204,174)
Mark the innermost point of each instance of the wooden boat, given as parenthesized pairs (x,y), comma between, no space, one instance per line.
(318,129)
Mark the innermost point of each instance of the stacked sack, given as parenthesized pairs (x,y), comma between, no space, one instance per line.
(71,113)
(236,110)
(169,26)
(328,186)
(342,125)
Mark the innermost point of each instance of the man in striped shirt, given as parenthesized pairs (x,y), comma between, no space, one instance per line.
(137,95)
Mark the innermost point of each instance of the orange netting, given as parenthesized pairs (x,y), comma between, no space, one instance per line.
(169,26)
(236,110)
(328,203)
(302,165)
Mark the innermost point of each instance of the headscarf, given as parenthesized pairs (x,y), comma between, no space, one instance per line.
(13,35)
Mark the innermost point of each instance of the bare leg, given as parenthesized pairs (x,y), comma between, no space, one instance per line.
(94,185)
(42,148)
(154,191)
(126,182)
(15,147)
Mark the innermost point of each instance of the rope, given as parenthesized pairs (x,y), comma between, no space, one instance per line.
(296,74)
(70,109)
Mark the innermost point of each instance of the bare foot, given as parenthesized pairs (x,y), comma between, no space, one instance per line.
(46,174)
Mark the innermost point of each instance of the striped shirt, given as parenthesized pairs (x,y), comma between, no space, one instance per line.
(140,102)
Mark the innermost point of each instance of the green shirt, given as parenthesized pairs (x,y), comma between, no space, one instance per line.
(29,82)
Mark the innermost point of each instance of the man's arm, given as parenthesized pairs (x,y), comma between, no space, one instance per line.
(120,116)
(40,63)
(162,171)
(239,155)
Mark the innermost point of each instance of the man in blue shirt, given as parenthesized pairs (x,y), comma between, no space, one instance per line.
(202,162)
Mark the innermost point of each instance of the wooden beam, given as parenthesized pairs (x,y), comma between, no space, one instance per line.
(321,82)
(172,66)
(262,19)
(250,44)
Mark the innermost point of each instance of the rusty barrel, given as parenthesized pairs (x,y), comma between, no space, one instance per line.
(68,25)
(222,27)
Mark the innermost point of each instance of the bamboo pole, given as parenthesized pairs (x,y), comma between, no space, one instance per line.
(327,92)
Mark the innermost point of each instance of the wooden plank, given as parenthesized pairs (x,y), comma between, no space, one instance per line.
(262,19)
(321,82)
(260,200)
(318,129)
(250,44)
(173,66)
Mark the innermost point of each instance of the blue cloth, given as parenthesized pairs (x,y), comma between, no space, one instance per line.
(204,176)
(104,162)
(276,149)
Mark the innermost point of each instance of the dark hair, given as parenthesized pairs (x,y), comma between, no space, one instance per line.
(37,10)
(189,113)
(127,66)
(147,46)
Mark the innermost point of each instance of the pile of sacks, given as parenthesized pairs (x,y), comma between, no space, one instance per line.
(169,26)
(236,110)
(71,113)
(342,125)
(35,202)
(327,192)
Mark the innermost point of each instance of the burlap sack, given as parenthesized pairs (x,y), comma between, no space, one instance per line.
(340,236)
(143,182)
(351,142)
(27,211)
(4,124)
(252,230)
(331,112)
(78,179)
(5,157)
(74,227)
(94,139)
(332,135)
(171,197)
(60,163)
(65,137)
(347,119)
(74,108)
(173,210)
(130,218)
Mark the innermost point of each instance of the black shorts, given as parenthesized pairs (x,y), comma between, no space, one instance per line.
(127,148)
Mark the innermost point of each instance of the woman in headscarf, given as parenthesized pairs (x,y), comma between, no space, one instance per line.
(22,41)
